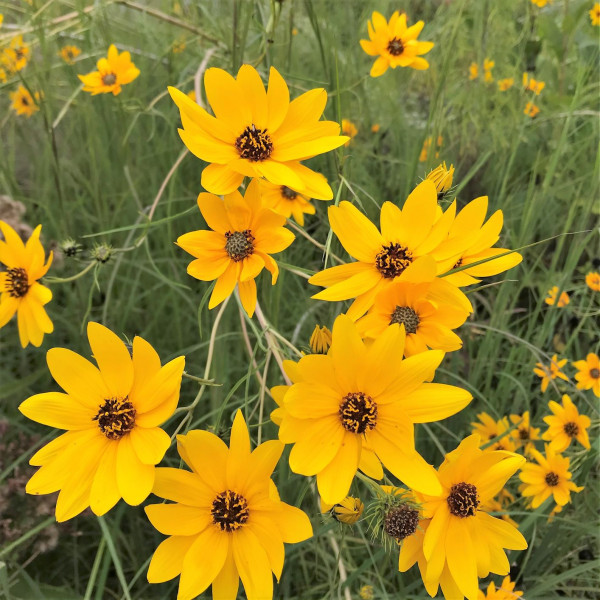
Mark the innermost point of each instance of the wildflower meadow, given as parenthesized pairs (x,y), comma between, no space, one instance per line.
(299,299)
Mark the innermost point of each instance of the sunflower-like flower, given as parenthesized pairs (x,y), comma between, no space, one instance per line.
(320,340)
(20,290)
(112,415)
(286,202)
(349,129)
(243,237)
(462,536)
(347,511)
(15,57)
(362,394)
(479,236)
(588,373)
(473,71)
(592,280)
(113,72)
(429,312)
(23,103)
(552,371)
(594,13)
(533,85)
(257,133)
(553,299)
(488,65)
(442,178)
(395,44)
(565,425)
(69,53)
(228,522)
(404,250)
(489,428)
(506,591)
(505,84)
(531,110)
(524,435)
(549,477)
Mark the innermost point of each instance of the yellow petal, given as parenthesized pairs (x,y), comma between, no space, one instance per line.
(178,519)
(221,179)
(150,444)
(58,410)
(134,478)
(104,493)
(356,233)
(207,455)
(183,487)
(278,99)
(253,565)
(167,560)
(248,296)
(434,402)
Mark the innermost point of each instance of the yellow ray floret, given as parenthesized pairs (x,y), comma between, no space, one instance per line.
(113,72)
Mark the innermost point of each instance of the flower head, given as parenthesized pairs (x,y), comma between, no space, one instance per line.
(112,414)
(113,72)
(244,235)
(395,44)
(320,340)
(594,13)
(286,202)
(553,299)
(23,103)
(549,477)
(20,290)
(505,84)
(357,405)
(588,375)
(442,178)
(227,522)
(524,435)
(69,53)
(473,71)
(550,372)
(532,85)
(506,591)
(347,511)
(592,280)
(540,3)
(488,65)
(257,133)
(349,129)
(565,425)
(531,110)
(426,147)
(16,56)
(375,127)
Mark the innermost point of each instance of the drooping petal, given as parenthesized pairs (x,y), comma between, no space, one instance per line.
(167,560)
(134,478)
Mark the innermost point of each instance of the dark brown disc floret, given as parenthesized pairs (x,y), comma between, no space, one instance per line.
(393,260)
(395,46)
(116,417)
(239,244)
(358,412)
(254,144)
(571,429)
(16,282)
(230,511)
(401,521)
(406,316)
(463,500)
(551,479)
(288,193)
(109,79)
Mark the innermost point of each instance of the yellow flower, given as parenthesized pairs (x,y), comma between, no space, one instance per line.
(227,522)
(551,298)
(426,146)
(505,84)
(405,250)
(366,592)
(20,291)
(244,235)
(395,44)
(566,424)
(178,46)
(550,477)
(473,71)
(592,279)
(359,394)
(531,110)
(112,415)
(442,178)
(349,129)
(69,53)
(113,72)
(505,592)
(320,340)
(15,57)
(478,236)
(540,3)
(429,311)
(550,372)
(375,127)
(531,84)
(294,31)
(285,201)
(256,133)
(595,14)
(23,103)
(461,535)
(524,435)
(1,19)
(588,375)
(495,506)
(348,511)
(488,428)
(3,75)
(488,65)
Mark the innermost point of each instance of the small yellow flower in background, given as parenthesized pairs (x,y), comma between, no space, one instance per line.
(531,84)
(257,133)
(488,65)
(1,19)
(3,75)
(473,71)
(113,72)
(531,110)
(541,3)
(69,53)
(112,414)
(20,291)
(395,44)
(348,511)
(320,340)
(595,14)
(286,202)
(588,375)
(442,178)
(549,477)
(499,504)
(375,127)
(178,46)
(349,129)
(592,279)
(505,84)
(227,522)
(427,145)
(524,435)
(488,428)
(16,56)
(566,424)
(294,31)
(552,299)
(550,372)
(23,103)
(506,591)
(366,592)
(244,235)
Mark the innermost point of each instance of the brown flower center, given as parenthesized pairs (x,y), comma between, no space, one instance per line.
(17,282)
(109,79)
(24,101)
(401,521)
(551,479)
(463,500)
(406,316)
(288,193)
(571,429)
(395,47)
(116,417)
(595,373)
(358,412)
(254,144)
(239,244)
(393,260)
(524,433)
(230,511)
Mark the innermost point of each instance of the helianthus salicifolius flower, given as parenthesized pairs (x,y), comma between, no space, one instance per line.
(359,395)
(594,13)
(257,133)
(566,425)
(69,53)
(286,201)
(320,340)
(592,280)
(552,371)
(553,299)
(395,44)
(23,103)
(588,373)
(228,522)
(112,415)
(20,290)
(347,511)
(506,591)
(114,71)
(244,235)
(524,435)
(16,55)
(442,178)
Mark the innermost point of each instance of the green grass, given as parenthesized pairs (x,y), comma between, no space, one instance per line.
(90,168)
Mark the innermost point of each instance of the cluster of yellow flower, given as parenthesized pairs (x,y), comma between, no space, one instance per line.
(587,376)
